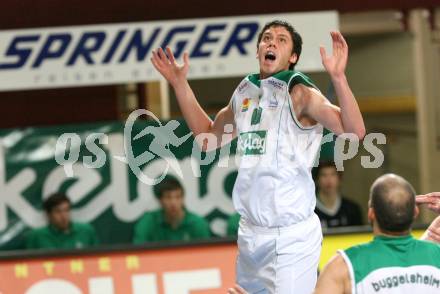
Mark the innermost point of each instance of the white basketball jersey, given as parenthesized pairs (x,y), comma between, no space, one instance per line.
(274,186)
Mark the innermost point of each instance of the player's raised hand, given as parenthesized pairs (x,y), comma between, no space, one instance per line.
(237,290)
(432,200)
(335,64)
(168,67)
(433,231)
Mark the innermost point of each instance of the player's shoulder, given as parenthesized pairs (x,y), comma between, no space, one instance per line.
(290,78)
(194,218)
(360,250)
(150,216)
(300,78)
(429,246)
(248,87)
(337,262)
(82,227)
(285,76)
(38,232)
(424,252)
(252,80)
(334,277)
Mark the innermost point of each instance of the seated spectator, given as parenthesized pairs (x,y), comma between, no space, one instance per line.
(332,209)
(393,262)
(172,221)
(232,226)
(61,232)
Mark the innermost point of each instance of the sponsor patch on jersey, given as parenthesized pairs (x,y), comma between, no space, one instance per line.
(243,87)
(273,102)
(245,105)
(252,143)
(276,84)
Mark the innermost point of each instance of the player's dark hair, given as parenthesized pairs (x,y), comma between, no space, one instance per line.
(54,200)
(393,201)
(296,37)
(168,184)
(326,164)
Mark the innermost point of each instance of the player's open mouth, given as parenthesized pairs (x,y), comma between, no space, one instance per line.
(270,56)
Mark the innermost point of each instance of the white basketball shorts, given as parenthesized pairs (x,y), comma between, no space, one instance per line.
(282,260)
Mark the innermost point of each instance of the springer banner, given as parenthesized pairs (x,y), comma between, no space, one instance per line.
(120,53)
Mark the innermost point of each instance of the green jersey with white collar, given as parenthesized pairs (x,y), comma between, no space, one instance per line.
(391,265)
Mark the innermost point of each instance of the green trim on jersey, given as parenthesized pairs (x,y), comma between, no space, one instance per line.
(290,77)
(386,252)
(254,79)
(298,124)
(279,128)
(295,79)
(300,78)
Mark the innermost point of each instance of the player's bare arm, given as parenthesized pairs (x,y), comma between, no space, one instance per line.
(334,278)
(346,118)
(198,121)
(433,231)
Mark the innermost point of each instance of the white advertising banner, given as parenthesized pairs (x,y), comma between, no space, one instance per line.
(120,53)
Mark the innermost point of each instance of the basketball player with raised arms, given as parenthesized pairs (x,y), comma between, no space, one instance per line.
(272,113)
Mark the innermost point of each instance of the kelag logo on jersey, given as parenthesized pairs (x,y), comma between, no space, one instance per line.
(119,53)
(252,143)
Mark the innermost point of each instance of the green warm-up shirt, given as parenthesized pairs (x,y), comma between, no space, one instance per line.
(79,236)
(391,265)
(153,227)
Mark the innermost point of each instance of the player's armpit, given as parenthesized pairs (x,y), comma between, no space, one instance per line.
(334,278)
(314,105)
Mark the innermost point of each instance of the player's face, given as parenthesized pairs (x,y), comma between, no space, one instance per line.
(328,180)
(59,217)
(275,51)
(172,202)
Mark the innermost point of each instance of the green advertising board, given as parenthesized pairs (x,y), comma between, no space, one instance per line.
(111,197)
(108,170)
